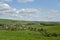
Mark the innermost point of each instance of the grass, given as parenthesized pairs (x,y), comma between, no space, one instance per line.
(24,35)
(55,29)
(27,35)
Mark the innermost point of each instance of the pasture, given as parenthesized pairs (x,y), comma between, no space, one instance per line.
(32,32)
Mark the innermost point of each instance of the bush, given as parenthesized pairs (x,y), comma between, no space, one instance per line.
(54,34)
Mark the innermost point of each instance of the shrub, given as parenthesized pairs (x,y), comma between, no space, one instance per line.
(40,30)
(54,34)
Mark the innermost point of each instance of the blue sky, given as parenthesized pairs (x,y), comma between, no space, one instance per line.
(32,10)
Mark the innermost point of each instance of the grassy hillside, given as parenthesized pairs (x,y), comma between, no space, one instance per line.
(24,35)
(27,34)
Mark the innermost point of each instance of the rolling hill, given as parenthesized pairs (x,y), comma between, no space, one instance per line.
(51,27)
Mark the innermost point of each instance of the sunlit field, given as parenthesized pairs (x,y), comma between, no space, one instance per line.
(28,30)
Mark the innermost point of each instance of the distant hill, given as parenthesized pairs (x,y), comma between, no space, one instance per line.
(45,23)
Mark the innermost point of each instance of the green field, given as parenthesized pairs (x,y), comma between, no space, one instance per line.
(27,34)
(24,35)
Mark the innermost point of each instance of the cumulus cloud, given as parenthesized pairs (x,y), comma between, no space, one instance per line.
(51,15)
(24,1)
(20,1)
(6,0)
(6,10)
(28,13)
(28,10)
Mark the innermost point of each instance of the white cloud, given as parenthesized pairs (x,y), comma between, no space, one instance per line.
(3,5)
(6,10)
(51,15)
(24,1)
(6,0)
(20,1)
(28,10)
(28,13)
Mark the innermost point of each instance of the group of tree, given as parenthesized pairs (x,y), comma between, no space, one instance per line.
(43,32)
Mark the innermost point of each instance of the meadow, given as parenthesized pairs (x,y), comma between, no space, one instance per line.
(28,34)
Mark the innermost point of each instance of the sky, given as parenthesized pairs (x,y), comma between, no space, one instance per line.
(30,10)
